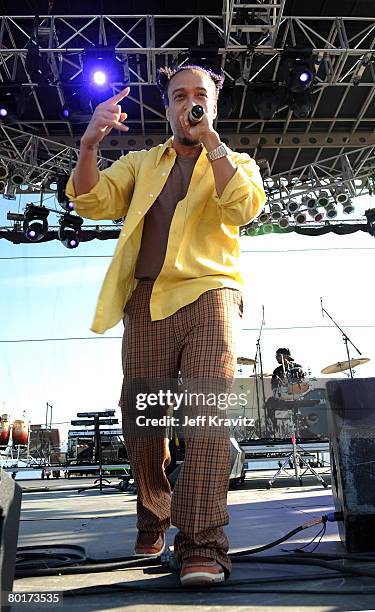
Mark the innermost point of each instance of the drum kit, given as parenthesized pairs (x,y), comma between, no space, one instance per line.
(297,404)
(292,393)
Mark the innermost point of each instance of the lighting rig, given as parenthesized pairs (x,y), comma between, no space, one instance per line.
(292,210)
(292,87)
(33,223)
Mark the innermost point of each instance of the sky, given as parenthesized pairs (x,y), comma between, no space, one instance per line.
(49,293)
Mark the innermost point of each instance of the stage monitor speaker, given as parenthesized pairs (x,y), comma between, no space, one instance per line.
(10,508)
(351,418)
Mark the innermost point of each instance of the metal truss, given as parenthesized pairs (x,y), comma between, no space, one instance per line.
(16,235)
(248,142)
(250,38)
(355,170)
(253,34)
(260,17)
(40,160)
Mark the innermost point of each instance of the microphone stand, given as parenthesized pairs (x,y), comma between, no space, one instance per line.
(345,337)
(258,354)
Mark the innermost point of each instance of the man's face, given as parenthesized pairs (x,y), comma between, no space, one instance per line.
(186,89)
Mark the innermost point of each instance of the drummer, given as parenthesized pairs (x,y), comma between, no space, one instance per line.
(287,363)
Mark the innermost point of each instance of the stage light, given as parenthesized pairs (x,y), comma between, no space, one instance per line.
(99,77)
(101,68)
(3,170)
(78,108)
(62,198)
(276,212)
(301,76)
(17,177)
(2,186)
(263,217)
(267,228)
(65,112)
(264,169)
(301,104)
(300,68)
(292,206)
(35,225)
(370,216)
(331,211)
(309,202)
(323,199)
(300,218)
(12,101)
(70,230)
(283,222)
(348,207)
(252,229)
(265,100)
(340,194)
(316,214)
(50,183)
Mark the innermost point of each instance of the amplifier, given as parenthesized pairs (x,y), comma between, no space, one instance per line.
(351,418)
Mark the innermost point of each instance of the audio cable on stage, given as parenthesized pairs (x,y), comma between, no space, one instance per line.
(60,559)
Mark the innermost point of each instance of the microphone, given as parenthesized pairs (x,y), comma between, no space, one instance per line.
(321,306)
(195,114)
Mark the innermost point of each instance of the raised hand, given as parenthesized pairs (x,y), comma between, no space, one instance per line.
(107,115)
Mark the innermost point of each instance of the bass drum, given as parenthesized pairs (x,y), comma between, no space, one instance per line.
(313,419)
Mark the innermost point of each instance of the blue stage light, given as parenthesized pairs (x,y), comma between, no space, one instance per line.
(65,112)
(304,77)
(3,112)
(99,77)
(35,225)
(70,230)
(101,68)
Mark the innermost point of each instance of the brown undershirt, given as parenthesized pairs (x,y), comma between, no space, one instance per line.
(158,219)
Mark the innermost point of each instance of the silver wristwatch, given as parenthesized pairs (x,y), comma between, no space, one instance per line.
(220,151)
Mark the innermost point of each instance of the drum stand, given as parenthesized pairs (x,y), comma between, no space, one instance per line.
(295,458)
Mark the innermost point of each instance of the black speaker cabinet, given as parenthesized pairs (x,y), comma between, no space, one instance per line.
(10,508)
(351,419)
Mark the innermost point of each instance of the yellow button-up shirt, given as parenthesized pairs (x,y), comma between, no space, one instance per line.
(203,245)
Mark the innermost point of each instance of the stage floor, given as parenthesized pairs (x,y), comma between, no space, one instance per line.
(104,524)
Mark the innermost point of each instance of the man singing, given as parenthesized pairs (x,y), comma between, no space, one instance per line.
(174,280)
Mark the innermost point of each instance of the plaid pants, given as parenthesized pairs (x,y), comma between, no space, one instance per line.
(199,342)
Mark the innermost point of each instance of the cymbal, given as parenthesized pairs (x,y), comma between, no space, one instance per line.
(341,366)
(245,361)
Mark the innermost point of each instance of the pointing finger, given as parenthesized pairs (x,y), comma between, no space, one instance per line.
(120,95)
